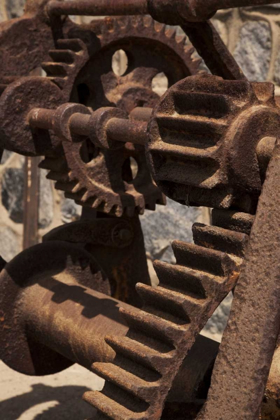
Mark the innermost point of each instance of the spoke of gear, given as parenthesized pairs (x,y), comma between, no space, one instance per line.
(114,182)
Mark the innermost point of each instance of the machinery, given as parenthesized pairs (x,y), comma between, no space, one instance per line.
(118,149)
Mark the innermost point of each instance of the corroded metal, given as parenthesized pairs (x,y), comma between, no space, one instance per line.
(164,331)
(122,239)
(167,11)
(250,339)
(207,142)
(210,127)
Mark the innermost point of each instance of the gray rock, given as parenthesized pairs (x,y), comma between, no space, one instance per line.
(6,155)
(14,7)
(253,51)
(277,69)
(217,323)
(165,225)
(70,211)
(12,193)
(46,201)
(10,244)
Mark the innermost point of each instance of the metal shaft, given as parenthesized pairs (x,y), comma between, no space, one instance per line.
(98,8)
(118,129)
(71,320)
(197,10)
(127,131)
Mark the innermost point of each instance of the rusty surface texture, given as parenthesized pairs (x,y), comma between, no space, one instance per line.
(122,239)
(164,11)
(164,331)
(210,127)
(93,172)
(250,339)
(113,145)
(29,36)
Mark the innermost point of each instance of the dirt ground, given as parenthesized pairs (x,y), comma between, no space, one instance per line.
(57,397)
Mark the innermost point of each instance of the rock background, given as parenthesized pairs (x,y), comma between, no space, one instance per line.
(252,35)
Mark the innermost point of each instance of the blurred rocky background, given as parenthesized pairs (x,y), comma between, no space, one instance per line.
(253,36)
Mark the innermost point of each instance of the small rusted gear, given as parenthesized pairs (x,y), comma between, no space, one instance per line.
(104,179)
(204,136)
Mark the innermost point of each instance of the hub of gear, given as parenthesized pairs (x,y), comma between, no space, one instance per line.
(115,182)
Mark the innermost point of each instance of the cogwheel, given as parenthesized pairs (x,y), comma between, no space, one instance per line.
(105,179)
(199,133)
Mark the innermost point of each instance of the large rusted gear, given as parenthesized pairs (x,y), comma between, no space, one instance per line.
(100,178)
(162,334)
(205,141)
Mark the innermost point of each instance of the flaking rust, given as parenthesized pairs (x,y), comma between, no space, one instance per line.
(117,148)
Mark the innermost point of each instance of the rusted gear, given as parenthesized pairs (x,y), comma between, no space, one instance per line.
(103,179)
(25,41)
(44,266)
(204,139)
(161,335)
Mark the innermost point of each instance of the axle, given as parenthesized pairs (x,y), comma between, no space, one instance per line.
(104,127)
(166,12)
(109,127)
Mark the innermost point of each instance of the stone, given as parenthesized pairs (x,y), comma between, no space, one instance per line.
(10,244)
(14,8)
(70,211)
(168,223)
(12,193)
(46,201)
(277,69)
(253,51)
(217,323)
(6,155)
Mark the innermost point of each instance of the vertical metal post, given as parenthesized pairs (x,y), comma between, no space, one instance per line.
(31,202)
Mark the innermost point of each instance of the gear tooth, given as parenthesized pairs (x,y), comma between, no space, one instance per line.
(71,176)
(88,196)
(196,63)
(108,207)
(159,28)
(119,211)
(55,69)
(171,33)
(77,188)
(148,21)
(97,203)
(181,39)
(123,22)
